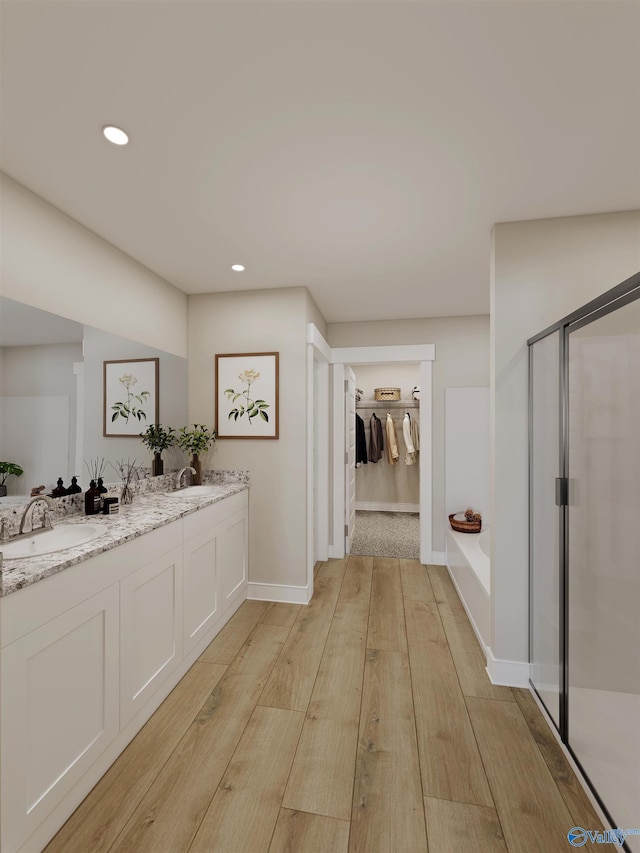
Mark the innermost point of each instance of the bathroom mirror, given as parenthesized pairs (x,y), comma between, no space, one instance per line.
(51,398)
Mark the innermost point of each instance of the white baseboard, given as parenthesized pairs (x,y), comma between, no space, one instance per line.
(438,558)
(378,506)
(510,673)
(279,592)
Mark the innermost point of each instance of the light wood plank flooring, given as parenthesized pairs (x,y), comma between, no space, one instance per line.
(362,723)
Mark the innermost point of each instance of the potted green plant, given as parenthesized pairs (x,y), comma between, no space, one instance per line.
(8,469)
(195,441)
(156,439)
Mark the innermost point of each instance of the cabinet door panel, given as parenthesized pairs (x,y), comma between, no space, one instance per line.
(234,556)
(59,710)
(201,586)
(150,630)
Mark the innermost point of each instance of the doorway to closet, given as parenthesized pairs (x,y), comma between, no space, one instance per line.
(342,361)
(387,462)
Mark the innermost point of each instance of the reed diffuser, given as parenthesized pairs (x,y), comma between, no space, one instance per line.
(127,472)
(96,468)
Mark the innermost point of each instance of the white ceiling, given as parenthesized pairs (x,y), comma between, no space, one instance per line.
(361,149)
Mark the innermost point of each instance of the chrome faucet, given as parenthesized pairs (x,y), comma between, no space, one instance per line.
(46,522)
(181,472)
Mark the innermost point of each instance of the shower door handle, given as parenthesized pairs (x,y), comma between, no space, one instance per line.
(562,491)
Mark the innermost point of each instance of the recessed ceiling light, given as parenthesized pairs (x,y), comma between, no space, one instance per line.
(237,268)
(115,135)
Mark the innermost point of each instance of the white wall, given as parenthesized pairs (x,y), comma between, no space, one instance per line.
(540,271)
(102,346)
(462,359)
(260,321)
(467,476)
(52,262)
(372,376)
(38,408)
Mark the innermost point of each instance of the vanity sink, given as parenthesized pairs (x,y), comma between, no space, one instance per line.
(196,491)
(50,541)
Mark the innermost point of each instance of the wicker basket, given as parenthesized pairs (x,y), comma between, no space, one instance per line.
(386,393)
(461,525)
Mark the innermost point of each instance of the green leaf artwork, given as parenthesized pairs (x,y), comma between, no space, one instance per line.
(250,408)
(132,406)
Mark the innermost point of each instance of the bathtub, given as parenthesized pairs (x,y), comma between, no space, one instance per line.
(468,562)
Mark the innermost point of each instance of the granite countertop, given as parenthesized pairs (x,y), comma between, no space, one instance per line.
(146,513)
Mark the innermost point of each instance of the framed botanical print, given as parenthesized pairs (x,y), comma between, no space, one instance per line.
(130,396)
(247,395)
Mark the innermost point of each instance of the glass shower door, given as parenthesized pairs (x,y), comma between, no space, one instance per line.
(604,557)
(545,622)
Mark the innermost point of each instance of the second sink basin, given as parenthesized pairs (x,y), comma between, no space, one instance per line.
(195,491)
(50,541)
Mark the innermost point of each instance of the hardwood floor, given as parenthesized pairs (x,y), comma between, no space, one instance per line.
(362,723)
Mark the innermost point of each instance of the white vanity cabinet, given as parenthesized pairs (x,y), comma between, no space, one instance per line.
(89,653)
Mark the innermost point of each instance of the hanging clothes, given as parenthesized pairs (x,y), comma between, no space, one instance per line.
(392,441)
(415,435)
(361,443)
(410,453)
(376,443)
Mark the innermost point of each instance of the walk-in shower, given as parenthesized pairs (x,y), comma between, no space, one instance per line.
(584,417)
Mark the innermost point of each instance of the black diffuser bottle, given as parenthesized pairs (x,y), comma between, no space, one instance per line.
(91,499)
(101,493)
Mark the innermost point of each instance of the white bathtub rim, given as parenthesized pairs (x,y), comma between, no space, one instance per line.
(484,541)
(479,562)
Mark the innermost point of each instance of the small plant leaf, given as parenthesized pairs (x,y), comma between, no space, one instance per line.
(264,415)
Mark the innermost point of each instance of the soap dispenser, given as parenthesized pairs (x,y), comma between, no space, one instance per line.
(60,490)
(74,488)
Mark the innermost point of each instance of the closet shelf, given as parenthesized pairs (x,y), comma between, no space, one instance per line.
(388,404)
